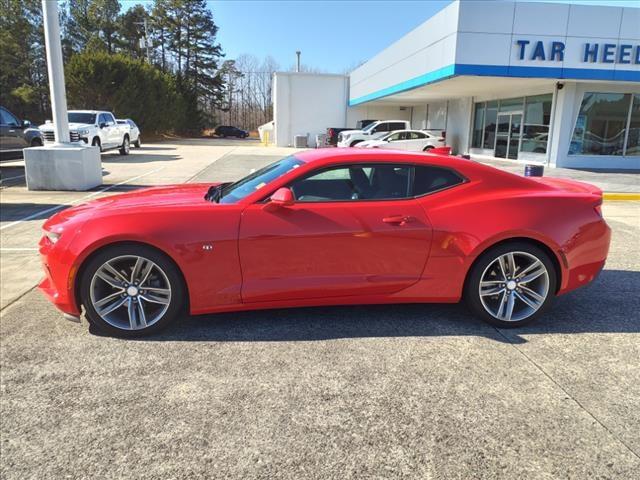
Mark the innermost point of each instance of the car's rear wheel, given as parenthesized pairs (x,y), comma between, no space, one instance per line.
(511,285)
(427,148)
(131,290)
(137,143)
(125,147)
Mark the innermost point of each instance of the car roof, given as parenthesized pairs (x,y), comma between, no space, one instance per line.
(88,111)
(468,168)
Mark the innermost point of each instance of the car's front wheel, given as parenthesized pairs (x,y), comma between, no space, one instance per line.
(355,142)
(512,284)
(96,143)
(131,290)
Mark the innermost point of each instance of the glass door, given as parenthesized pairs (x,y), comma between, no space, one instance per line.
(508,135)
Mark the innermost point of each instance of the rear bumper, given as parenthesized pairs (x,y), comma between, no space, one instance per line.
(586,256)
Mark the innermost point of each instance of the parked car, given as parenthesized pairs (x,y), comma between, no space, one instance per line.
(17,134)
(333,132)
(134,131)
(326,227)
(375,130)
(411,140)
(228,131)
(94,127)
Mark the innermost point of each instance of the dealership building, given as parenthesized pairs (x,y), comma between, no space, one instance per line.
(554,83)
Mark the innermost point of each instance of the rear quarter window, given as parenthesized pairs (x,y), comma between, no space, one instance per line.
(428,179)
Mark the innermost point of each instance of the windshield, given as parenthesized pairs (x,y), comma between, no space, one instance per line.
(258,179)
(75,117)
(369,127)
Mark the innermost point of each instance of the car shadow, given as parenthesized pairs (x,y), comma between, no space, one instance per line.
(594,309)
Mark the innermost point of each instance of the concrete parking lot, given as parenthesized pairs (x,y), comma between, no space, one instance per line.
(412,391)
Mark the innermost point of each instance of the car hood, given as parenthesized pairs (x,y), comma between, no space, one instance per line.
(344,133)
(137,201)
(72,126)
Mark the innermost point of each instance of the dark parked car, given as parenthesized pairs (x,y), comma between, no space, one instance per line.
(17,134)
(228,131)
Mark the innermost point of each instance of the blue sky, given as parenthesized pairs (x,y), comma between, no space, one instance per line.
(333,35)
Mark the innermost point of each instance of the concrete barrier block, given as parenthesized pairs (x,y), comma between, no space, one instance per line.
(55,167)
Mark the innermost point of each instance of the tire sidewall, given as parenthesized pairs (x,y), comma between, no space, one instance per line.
(126,146)
(176,307)
(472,294)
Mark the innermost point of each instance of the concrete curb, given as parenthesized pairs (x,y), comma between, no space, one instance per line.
(621,196)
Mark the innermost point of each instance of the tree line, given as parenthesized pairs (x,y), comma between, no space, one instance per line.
(159,64)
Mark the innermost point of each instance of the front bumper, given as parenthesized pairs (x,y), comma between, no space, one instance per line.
(58,282)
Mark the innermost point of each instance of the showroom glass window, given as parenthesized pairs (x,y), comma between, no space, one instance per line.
(633,135)
(478,124)
(604,125)
(537,117)
(535,129)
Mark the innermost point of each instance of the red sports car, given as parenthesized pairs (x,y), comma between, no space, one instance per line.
(327,227)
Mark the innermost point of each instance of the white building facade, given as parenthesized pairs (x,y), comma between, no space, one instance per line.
(552,83)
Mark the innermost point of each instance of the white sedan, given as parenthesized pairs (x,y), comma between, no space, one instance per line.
(412,140)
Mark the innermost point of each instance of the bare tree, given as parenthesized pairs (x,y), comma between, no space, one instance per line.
(248,98)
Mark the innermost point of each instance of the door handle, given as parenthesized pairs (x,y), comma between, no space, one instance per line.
(398,219)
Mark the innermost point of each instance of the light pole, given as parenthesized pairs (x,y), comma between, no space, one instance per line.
(55,67)
(146,38)
(63,165)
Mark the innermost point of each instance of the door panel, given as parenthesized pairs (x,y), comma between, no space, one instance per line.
(317,250)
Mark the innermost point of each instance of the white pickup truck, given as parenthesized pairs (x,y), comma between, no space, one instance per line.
(94,127)
(373,131)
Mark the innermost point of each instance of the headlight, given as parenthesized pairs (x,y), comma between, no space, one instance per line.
(83,131)
(52,236)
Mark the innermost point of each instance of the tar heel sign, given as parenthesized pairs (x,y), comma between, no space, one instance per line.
(588,52)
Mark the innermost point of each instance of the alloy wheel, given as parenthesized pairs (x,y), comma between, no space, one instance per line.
(514,286)
(130,292)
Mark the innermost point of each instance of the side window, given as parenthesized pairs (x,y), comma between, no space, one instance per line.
(396,126)
(102,118)
(6,118)
(417,135)
(430,179)
(382,127)
(394,137)
(354,182)
(110,119)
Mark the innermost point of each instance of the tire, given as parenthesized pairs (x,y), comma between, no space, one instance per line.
(427,148)
(161,307)
(355,142)
(36,142)
(137,143)
(502,292)
(96,143)
(125,147)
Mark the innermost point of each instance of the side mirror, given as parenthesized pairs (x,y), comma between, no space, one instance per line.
(282,197)
(26,124)
(102,124)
